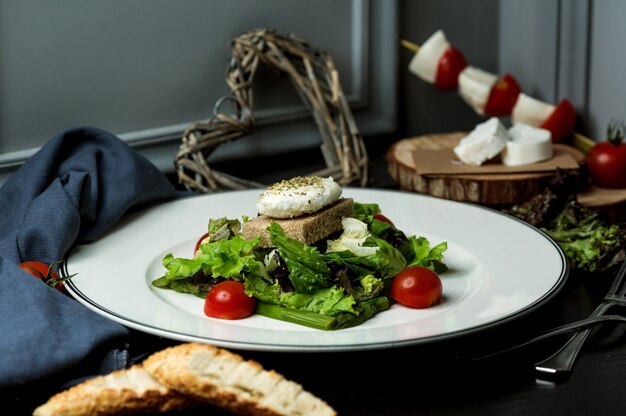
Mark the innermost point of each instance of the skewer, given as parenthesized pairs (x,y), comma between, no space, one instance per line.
(579,141)
(409,45)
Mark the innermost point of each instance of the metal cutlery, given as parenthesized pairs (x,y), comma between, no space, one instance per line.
(562,361)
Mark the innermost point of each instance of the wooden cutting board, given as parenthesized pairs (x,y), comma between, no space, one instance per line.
(500,189)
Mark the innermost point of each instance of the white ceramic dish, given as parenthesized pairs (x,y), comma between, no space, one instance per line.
(499,269)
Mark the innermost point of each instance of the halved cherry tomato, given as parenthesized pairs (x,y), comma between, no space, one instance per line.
(44,272)
(381,217)
(197,247)
(606,161)
(228,300)
(450,65)
(561,122)
(417,287)
(502,97)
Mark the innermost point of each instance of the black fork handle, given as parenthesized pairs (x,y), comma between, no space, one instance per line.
(562,362)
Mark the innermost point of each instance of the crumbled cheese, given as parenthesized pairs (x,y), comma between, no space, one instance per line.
(486,141)
(297,196)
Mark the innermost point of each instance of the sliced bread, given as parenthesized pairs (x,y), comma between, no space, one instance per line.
(308,228)
(185,376)
(130,391)
(227,380)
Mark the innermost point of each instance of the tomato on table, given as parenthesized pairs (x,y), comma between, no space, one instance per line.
(417,287)
(228,300)
(44,272)
(561,122)
(450,65)
(606,161)
(502,97)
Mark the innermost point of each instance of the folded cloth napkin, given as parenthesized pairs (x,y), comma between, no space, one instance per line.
(71,191)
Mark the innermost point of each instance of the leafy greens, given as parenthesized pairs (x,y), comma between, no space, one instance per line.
(343,286)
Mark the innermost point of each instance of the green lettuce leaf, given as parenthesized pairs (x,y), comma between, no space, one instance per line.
(228,258)
(365,212)
(329,301)
(308,270)
(223,229)
(233,258)
(419,253)
(590,243)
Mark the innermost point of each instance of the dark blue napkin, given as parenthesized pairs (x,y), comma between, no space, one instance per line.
(71,191)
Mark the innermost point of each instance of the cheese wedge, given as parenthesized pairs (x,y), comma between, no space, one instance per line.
(475,86)
(530,110)
(528,145)
(425,62)
(485,142)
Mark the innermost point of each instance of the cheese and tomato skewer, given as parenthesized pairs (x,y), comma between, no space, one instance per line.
(441,64)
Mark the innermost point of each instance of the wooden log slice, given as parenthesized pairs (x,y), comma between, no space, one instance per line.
(610,202)
(487,189)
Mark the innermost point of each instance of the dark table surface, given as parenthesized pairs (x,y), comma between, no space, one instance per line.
(449,377)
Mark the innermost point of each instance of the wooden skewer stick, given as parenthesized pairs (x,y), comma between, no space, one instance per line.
(410,45)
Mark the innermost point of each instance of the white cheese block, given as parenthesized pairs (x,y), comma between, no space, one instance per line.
(486,141)
(425,62)
(475,86)
(530,110)
(528,145)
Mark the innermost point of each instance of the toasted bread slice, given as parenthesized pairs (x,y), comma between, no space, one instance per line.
(308,228)
(226,380)
(130,391)
(185,376)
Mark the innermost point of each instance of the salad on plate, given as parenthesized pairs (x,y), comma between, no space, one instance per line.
(310,257)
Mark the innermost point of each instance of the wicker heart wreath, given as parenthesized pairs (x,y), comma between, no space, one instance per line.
(315,77)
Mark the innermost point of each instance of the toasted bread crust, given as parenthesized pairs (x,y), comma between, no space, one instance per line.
(226,380)
(124,392)
(184,376)
(308,228)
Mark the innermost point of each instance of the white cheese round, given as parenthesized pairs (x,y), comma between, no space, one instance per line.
(475,86)
(297,196)
(528,145)
(426,61)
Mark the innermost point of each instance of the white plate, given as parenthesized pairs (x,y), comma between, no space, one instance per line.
(499,269)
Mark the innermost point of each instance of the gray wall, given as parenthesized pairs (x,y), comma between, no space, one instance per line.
(145,69)
(472,26)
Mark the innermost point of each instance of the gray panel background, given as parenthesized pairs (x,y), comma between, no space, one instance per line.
(134,65)
(144,69)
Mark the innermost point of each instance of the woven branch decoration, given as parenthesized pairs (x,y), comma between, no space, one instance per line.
(315,77)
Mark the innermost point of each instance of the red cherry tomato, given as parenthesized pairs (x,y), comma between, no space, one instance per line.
(561,122)
(606,161)
(381,217)
(43,272)
(417,287)
(228,300)
(450,65)
(502,97)
(200,242)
